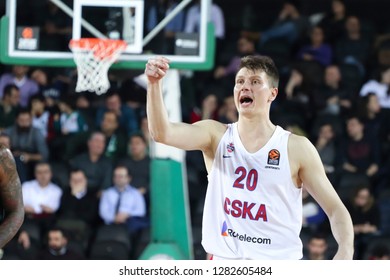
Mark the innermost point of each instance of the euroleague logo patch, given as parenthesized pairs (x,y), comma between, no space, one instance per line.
(273,157)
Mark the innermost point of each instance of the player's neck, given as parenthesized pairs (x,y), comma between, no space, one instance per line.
(252,121)
(254,135)
(260,127)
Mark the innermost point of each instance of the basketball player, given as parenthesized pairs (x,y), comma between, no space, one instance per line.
(11,202)
(256,170)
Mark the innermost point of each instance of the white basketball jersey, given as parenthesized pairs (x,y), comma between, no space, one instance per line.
(252,209)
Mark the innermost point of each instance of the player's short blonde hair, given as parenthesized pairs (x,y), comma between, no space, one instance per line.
(262,63)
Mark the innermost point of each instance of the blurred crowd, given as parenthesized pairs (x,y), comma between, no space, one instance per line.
(84,161)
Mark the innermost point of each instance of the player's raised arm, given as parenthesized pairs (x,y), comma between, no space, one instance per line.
(11,198)
(197,136)
(312,174)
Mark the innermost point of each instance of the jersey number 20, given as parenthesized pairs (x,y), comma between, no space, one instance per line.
(246,179)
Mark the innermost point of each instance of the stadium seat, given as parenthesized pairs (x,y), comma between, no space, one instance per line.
(112,242)
(78,232)
(384,207)
(279,50)
(109,250)
(375,243)
(351,77)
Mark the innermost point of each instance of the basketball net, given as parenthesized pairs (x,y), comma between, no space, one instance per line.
(93,57)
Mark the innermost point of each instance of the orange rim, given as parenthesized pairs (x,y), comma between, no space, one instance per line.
(103,48)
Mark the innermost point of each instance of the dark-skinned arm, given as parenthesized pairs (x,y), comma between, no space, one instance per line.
(11,198)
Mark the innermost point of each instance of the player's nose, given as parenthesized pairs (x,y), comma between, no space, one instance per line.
(246,85)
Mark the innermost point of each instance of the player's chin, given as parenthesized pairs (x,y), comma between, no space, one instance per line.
(246,107)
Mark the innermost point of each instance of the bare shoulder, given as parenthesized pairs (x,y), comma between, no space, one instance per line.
(301,150)
(297,142)
(305,163)
(215,130)
(214,127)
(303,154)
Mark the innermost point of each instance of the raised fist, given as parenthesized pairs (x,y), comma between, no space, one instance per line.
(156,68)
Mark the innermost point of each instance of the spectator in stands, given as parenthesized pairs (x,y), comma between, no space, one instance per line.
(18,76)
(313,215)
(327,146)
(291,25)
(193,25)
(228,111)
(27,143)
(192,22)
(51,88)
(360,154)
(116,139)
(50,91)
(40,116)
(294,84)
(298,91)
(78,213)
(85,108)
(96,166)
(133,95)
(365,216)
(77,203)
(318,50)
(380,86)
(24,246)
(216,16)
(145,130)
(316,248)
(294,127)
(9,106)
(163,43)
(56,28)
(353,48)
(41,198)
(331,97)
(245,46)
(208,110)
(376,124)
(57,247)
(122,204)
(5,140)
(137,162)
(308,69)
(334,22)
(68,125)
(369,111)
(127,118)
(70,120)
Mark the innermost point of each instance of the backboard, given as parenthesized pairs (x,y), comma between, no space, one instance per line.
(37,33)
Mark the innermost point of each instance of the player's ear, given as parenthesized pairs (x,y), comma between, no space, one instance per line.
(274,93)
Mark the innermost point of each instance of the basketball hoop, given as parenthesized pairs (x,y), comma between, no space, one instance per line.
(93,57)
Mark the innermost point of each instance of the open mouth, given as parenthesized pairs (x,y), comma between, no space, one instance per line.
(246,100)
